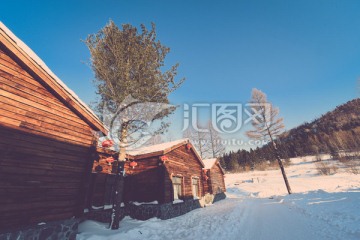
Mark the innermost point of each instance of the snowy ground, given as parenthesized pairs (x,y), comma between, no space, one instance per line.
(257,207)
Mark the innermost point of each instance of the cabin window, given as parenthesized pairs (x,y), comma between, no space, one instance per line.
(195,187)
(177,186)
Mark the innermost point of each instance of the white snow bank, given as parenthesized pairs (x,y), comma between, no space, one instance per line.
(144,203)
(302,175)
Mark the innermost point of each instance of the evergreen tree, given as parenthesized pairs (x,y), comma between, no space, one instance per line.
(129,64)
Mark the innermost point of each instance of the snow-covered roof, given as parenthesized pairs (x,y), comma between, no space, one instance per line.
(27,52)
(209,163)
(160,149)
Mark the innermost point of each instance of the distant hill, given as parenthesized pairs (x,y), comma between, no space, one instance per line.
(336,130)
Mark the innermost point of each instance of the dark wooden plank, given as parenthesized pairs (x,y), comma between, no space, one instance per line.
(33,129)
(50,110)
(29,94)
(34,86)
(42,143)
(34,112)
(29,65)
(20,153)
(9,62)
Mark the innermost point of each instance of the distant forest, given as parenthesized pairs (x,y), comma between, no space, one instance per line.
(337,130)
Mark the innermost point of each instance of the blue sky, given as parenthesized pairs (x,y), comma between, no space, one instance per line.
(304,54)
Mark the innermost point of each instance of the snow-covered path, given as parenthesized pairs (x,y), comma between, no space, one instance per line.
(236,218)
(249,218)
(266,219)
(251,212)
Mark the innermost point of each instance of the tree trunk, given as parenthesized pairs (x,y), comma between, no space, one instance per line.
(118,197)
(212,142)
(200,147)
(119,179)
(282,168)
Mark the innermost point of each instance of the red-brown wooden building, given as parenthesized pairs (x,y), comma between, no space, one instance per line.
(47,141)
(215,184)
(168,176)
(157,166)
(165,173)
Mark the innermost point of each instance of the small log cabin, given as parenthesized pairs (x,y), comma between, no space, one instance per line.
(166,173)
(215,183)
(47,141)
(170,175)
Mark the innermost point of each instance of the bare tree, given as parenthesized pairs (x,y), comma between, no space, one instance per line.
(199,140)
(208,143)
(129,72)
(215,141)
(267,125)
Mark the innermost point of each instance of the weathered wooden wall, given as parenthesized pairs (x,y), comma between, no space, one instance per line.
(206,182)
(27,104)
(151,179)
(45,150)
(101,190)
(217,179)
(144,183)
(182,162)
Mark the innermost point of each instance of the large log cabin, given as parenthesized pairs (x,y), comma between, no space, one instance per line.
(47,142)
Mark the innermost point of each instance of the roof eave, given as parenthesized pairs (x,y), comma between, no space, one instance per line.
(165,151)
(90,118)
